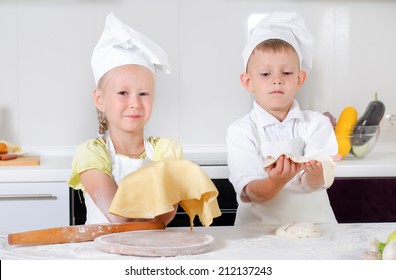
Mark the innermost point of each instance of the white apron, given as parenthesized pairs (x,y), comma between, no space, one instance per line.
(293,203)
(120,167)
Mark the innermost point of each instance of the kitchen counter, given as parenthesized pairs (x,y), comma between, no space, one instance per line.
(381,162)
(337,242)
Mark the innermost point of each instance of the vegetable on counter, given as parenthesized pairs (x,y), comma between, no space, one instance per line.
(366,126)
(358,136)
(389,252)
(343,129)
(383,250)
(332,119)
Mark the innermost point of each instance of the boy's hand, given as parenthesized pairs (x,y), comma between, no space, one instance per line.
(337,157)
(279,173)
(313,167)
(313,176)
(283,170)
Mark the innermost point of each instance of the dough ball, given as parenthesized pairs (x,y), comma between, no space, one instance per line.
(299,230)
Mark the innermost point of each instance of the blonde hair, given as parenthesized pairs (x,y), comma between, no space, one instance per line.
(102,120)
(275,45)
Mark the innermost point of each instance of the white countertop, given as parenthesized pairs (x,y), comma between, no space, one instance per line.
(337,242)
(381,162)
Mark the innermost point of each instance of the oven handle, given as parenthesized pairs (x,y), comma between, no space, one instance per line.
(26,196)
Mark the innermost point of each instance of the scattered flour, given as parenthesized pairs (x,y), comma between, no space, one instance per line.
(298,230)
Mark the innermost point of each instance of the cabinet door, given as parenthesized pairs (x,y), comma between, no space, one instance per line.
(29,206)
(362,200)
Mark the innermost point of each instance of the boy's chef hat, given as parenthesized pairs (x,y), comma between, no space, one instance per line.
(121,45)
(289,27)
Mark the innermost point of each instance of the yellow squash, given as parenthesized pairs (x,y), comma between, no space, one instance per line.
(344,128)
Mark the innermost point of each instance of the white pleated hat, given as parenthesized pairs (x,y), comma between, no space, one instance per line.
(120,45)
(289,27)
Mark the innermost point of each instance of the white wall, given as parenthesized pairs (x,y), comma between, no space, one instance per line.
(46,79)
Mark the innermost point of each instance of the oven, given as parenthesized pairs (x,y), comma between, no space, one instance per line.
(226,199)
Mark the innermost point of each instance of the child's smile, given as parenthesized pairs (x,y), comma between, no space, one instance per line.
(128,97)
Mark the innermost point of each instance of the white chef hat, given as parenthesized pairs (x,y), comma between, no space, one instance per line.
(121,45)
(289,27)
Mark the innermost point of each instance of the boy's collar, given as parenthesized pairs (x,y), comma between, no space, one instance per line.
(265,118)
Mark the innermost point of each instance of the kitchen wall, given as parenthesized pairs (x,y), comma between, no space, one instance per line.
(46,81)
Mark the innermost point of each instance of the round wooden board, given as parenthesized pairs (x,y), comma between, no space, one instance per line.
(155,243)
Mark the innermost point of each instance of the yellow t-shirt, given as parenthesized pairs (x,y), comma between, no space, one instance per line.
(93,154)
(167,180)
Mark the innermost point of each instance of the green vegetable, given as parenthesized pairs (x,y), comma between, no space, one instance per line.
(381,245)
(391,237)
(367,125)
(360,151)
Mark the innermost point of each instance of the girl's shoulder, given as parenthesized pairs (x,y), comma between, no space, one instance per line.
(93,151)
(91,154)
(92,146)
(165,148)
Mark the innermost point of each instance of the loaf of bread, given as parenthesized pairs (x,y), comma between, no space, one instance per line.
(3,148)
(9,147)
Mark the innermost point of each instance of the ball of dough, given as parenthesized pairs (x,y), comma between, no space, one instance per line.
(298,230)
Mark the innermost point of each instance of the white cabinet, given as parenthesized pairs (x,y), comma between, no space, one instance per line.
(33,205)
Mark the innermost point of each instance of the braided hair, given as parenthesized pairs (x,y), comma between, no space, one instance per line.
(103,124)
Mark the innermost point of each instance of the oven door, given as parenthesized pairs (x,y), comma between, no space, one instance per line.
(226,199)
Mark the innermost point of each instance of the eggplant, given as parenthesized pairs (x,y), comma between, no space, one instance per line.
(367,125)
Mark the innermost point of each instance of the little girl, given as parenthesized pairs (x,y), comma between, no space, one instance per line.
(124,63)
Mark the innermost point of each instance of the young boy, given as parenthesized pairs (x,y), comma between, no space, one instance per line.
(276,59)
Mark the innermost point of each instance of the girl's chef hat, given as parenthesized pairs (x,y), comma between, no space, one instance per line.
(289,27)
(121,45)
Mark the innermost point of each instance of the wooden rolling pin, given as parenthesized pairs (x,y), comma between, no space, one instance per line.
(76,233)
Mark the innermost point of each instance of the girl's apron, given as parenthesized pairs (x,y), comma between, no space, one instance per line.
(120,167)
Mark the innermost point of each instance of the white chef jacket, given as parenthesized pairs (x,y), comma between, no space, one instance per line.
(258,135)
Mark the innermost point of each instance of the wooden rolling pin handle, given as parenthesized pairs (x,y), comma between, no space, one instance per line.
(76,233)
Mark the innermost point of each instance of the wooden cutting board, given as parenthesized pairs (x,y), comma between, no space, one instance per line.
(21,161)
(156,243)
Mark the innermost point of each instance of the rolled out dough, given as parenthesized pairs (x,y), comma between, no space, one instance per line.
(327,163)
(154,188)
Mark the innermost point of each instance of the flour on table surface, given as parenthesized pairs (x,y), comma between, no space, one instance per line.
(298,230)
